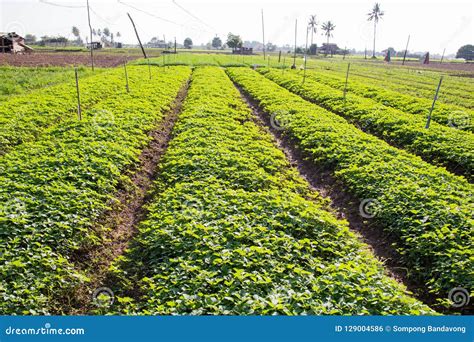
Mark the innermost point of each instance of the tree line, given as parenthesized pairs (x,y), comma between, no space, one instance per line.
(104,35)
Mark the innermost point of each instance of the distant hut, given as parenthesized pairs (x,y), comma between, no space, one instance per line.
(243,50)
(329,49)
(426,58)
(95,45)
(13,43)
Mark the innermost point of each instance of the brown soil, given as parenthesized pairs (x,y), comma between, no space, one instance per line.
(63,59)
(129,211)
(343,204)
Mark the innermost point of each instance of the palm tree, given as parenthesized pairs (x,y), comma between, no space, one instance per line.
(312,25)
(76,33)
(328,27)
(375,15)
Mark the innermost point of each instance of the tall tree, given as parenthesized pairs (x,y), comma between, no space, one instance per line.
(30,38)
(312,25)
(466,52)
(328,27)
(75,32)
(106,32)
(234,41)
(216,42)
(188,43)
(375,15)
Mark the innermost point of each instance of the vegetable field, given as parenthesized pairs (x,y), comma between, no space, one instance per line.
(214,184)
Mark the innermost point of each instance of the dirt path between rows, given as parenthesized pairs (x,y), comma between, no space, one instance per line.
(126,214)
(343,204)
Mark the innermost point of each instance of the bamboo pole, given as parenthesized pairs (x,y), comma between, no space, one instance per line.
(79,110)
(428,121)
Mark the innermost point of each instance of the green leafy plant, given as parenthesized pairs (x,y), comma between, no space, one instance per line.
(24,118)
(233,229)
(426,209)
(55,188)
(442,113)
(439,144)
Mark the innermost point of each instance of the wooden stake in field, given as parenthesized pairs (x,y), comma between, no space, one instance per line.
(434,101)
(305,54)
(294,55)
(442,56)
(138,37)
(279,56)
(79,111)
(347,78)
(126,77)
(149,68)
(283,68)
(90,29)
(263,35)
(406,49)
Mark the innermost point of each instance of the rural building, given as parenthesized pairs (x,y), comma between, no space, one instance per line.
(329,49)
(156,43)
(243,51)
(13,43)
(95,45)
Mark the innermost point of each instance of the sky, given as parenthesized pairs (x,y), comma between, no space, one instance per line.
(432,25)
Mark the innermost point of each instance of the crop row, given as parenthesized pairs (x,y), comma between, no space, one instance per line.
(204,59)
(23,118)
(233,228)
(439,144)
(16,81)
(411,79)
(55,188)
(427,210)
(445,114)
(421,79)
(447,94)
